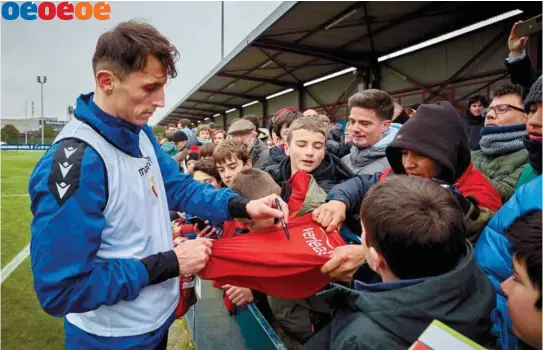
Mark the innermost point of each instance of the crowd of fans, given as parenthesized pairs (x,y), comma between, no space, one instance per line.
(441,212)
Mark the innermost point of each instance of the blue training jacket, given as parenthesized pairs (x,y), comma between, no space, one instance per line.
(493,254)
(68,278)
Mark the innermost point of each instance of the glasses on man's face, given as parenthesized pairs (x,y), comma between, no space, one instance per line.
(501,109)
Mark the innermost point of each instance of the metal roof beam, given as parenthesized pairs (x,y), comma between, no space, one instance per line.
(220,104)
(277,82)
(468,64)
(191,116)
(393,23)
(180,108)
(356,59)
(469,19)
(232,94)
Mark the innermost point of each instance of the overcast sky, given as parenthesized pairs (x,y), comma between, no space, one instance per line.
(62,50)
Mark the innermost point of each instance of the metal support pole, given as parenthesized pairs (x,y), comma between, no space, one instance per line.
(42,120)
(26,123)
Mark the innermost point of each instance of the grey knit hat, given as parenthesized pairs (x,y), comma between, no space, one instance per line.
(534,96)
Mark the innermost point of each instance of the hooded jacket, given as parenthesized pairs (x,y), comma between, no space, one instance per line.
(393,319)
(372,159)
(435,132)
(277,154)
(80,281)
(330,172)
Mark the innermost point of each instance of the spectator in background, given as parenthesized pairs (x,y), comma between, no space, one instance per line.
(168,146)
(502,156)
(202,136)
(263,134)
(205,171)
(370,125)
(191,158)
(523,289)
(218,137)
(171,128)
(231,157)
(244,131)
(399,116)
(518,63)
(211,128)
(420,267)
(473,120)
(206,151)
(184,126)
(532,141)
(281,122)
(310,113)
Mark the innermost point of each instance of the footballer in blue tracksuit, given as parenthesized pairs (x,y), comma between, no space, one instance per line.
(101,248)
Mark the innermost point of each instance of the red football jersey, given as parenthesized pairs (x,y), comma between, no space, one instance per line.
(267,261)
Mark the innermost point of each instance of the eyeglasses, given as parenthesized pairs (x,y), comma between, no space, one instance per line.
(501,109)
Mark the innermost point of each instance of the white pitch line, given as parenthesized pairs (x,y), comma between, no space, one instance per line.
(13,264)
(15,195)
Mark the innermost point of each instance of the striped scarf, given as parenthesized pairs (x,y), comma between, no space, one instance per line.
(500,140)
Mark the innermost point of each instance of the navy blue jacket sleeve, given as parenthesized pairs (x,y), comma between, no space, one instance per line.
(352,191)
(188,195)
(68,194)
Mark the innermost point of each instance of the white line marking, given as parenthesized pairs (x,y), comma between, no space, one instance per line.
(15,195)
(13,264)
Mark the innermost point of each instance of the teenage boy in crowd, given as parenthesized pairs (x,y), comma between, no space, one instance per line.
(394,296)
(523,289)
(473,120)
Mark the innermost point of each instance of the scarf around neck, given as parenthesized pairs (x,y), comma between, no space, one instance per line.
(500,140)
(534,153)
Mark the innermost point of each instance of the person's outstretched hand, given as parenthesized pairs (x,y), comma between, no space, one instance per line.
(330,215)
(265,208)
(517,44)
(344,262)
(193,255)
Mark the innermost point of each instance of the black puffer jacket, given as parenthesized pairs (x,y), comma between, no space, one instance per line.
(332,171)
(472,127)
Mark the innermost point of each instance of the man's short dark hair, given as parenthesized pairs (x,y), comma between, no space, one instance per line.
(208,166)
(125,49)
(525,237)
(415,224)
(253,119)
(376,100)
(478,99)
(508,89)
(254,184)
(185,123)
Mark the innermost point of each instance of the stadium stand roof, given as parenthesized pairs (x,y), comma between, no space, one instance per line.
(313,39)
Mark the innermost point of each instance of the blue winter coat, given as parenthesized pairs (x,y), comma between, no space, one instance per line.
(493,254)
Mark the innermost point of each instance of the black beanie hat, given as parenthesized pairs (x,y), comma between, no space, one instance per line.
(179,136)
(534,96)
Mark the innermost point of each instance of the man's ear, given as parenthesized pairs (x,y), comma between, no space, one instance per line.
(105,80)
(385,125)
(249,163)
